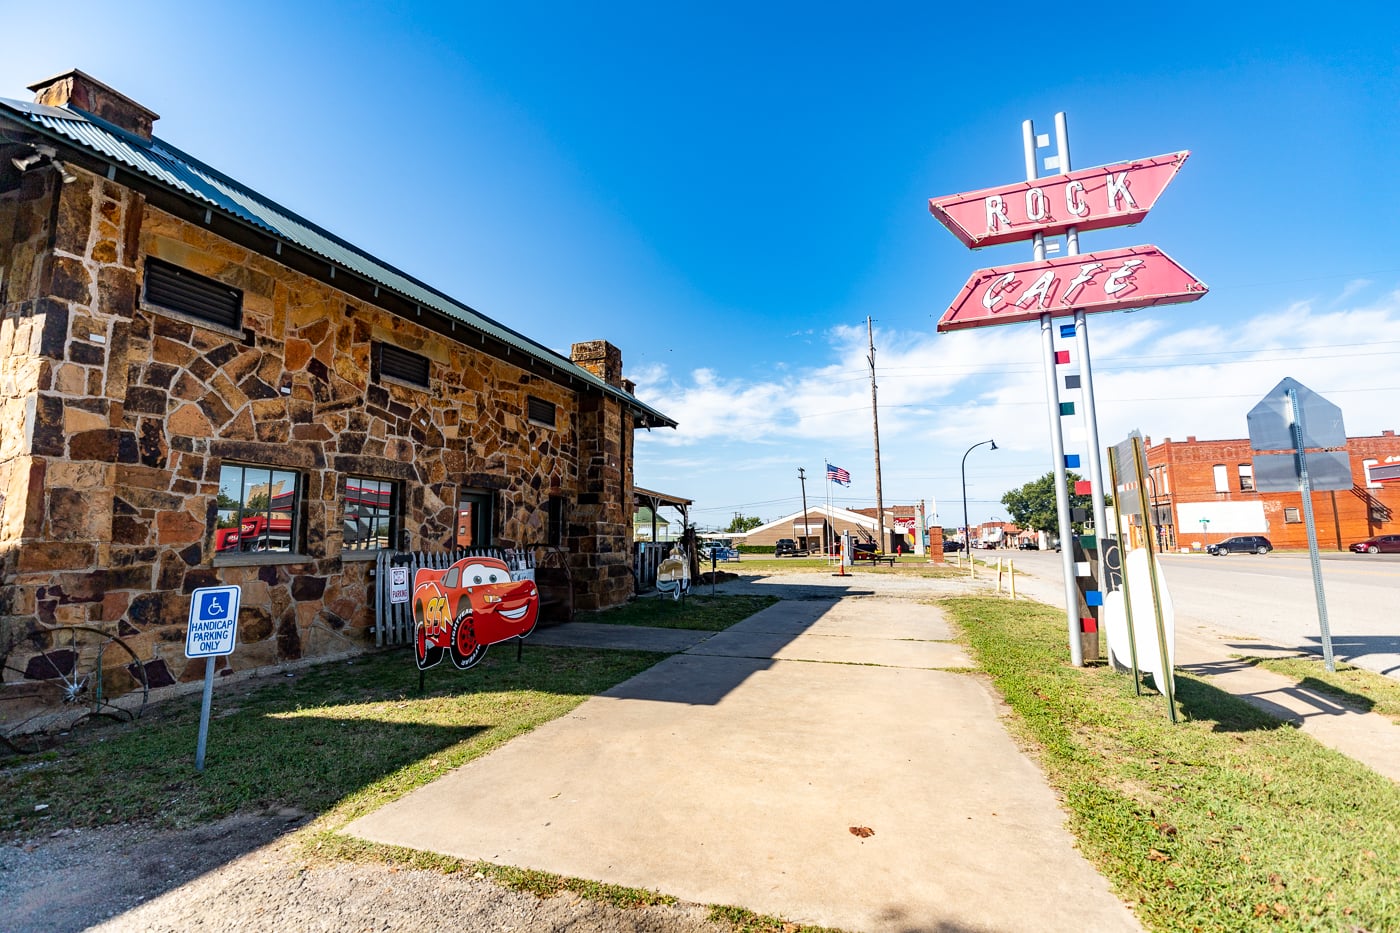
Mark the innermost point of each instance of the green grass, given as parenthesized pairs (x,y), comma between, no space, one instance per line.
(1226,821)
(360,731)
(706,613)
(1360,689)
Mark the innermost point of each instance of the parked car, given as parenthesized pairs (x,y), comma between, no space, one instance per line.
(1380,544)
(951,545)
(1244,544)
(1029,544)
(786,547)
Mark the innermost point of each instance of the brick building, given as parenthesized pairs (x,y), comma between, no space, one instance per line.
(1203,491)
(198,387)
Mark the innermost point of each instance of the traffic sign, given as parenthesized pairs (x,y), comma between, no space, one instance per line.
(213,627)
(398,585)
(1090,199)
(1271,421)
(1111,280)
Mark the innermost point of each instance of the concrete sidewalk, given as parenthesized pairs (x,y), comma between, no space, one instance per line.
(735,772)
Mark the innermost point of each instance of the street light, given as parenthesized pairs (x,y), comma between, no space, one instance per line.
(967,532)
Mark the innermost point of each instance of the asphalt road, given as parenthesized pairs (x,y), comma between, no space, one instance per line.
(1271,598)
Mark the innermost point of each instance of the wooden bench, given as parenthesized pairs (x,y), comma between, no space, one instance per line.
(874,558)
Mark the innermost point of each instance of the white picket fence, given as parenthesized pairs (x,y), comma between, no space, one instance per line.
(393,622)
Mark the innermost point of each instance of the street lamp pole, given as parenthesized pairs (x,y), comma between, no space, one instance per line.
(967,532)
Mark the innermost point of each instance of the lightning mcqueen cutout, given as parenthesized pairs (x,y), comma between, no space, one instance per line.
(472,604)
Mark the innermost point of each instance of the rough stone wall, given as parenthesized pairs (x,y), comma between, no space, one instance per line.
(137,409)
(603,523)
(26,225)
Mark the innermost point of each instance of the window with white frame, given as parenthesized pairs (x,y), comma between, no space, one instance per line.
(1246,477)
(1291,516)
(1222,478)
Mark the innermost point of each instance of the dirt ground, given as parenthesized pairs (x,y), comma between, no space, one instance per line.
(245,873)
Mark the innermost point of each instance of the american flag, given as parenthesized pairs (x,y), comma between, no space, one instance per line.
(838,475)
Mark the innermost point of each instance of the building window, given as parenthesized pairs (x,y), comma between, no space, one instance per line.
(555,508)
(1291,516)
(370,513)
(1366,471)
(539,411)
(257,509)
(1222,478)
(397,363)
(175,289)
(473,527)
(1246,477)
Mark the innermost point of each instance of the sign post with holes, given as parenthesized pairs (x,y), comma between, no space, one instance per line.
(212,633)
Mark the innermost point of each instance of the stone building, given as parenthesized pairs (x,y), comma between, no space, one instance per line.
(1203,491)
(198,387)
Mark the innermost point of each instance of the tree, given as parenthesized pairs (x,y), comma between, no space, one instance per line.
(742,523)
(1033,505)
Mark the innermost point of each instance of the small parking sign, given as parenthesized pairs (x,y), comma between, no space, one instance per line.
(398,584)
(213,621)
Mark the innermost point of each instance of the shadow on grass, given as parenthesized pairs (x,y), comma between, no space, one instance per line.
(281,750)
(1249,712)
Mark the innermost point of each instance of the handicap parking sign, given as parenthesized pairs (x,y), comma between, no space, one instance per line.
(213,627)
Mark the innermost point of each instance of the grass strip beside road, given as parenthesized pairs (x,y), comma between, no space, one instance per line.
(1225,821)
(705,613)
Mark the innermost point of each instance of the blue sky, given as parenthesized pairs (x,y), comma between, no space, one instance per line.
(726,191)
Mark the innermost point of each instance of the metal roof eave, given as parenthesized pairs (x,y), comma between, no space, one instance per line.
(193,181)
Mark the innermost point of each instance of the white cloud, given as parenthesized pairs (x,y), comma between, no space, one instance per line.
(939,394)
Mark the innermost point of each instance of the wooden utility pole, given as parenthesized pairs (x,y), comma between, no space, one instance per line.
(806,526)
(875,418)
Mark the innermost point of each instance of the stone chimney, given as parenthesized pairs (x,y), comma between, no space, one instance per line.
(600,358)
(84,92)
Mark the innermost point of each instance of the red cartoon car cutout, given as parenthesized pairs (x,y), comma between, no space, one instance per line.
(472,604)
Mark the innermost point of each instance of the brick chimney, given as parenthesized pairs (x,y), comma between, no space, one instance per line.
(600,358)
(86,93)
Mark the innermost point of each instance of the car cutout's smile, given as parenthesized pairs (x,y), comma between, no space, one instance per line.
(514,614)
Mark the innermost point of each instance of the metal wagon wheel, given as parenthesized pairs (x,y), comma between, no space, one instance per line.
(61,676)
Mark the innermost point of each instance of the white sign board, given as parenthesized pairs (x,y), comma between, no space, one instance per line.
(213,621)
(398,584)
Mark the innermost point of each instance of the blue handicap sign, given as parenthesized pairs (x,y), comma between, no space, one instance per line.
(213,606)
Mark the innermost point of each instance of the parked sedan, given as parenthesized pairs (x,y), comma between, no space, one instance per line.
(1380,544)
(1246,544)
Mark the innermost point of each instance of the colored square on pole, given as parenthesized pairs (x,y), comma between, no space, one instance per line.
(1089,542)
(1093,598)
(1072,382)
(1090,625)
(1066,330)
(1061,357)
(1071,461)
(1076,514)
(1081,569)
(1083,488)
(1066,408)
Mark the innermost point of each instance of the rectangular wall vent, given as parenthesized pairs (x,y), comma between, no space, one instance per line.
(398,363)
(539,411)
(184,291)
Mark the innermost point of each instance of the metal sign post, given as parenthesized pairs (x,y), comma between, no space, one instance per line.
(1294,418)
(212,633)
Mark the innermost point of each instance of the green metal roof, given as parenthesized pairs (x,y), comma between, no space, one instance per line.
(198,183)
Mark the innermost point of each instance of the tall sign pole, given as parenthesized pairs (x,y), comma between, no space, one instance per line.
(1073,285)
(1057,436)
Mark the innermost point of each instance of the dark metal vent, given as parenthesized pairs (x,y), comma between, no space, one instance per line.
(539,411)
(182,290)
(400,364)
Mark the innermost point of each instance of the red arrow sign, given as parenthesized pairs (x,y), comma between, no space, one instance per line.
(1112,280)
(1091,199)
